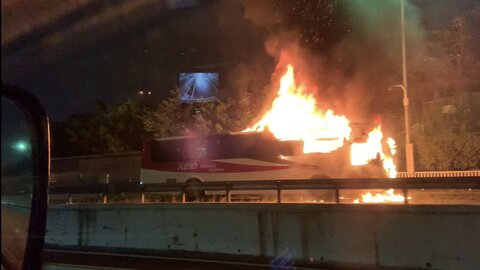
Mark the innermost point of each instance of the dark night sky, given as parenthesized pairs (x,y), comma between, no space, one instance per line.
(116,60)
(99,51)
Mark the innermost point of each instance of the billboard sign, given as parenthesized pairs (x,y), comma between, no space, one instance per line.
(198,86)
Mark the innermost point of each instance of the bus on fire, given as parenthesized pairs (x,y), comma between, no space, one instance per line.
(243,156)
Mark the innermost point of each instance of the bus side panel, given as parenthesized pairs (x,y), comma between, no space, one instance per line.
(156,176)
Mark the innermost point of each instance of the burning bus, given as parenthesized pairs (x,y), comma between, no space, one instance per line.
(294,139)
(244,156)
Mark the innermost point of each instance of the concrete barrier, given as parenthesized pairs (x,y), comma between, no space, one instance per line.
(417,236)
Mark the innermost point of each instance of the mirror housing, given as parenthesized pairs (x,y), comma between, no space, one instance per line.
(38,128)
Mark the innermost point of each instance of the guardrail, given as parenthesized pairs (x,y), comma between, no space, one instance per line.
(439,174)
(227,187)
(105,177)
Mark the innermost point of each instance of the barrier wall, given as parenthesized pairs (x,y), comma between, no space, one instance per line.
(420,236)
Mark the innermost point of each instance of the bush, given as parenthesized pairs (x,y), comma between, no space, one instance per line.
(448,151)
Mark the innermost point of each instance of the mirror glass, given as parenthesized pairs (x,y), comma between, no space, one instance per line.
(17,184)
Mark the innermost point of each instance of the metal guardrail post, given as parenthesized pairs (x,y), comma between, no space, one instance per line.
(228,193)
(184,195)
(279,192)
(70,199)
(142,199)
(104,198)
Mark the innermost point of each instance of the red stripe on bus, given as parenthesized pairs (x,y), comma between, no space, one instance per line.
(209,167)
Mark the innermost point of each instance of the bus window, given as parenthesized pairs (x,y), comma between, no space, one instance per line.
(213,147)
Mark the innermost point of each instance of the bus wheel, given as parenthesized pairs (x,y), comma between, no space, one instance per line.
(191,193)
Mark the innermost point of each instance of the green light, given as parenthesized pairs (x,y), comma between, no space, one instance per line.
(20,146)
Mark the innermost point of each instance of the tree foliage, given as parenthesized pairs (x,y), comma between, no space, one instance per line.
(458,114)
(458,44)
(122,127)
(447,86)
(449,151)
(173,118)
(451,136)
(450,65)
(83,135)
(114,129)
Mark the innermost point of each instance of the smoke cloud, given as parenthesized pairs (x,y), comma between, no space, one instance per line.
(350,75)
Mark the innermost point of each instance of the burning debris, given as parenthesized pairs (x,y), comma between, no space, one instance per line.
(388,196)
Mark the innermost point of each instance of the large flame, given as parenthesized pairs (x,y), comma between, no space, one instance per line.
(362,153)
(294,115)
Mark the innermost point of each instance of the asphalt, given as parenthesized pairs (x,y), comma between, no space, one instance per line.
(64,259)
(14,235)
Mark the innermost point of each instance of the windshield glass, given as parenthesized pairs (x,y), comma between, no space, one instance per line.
(177,114)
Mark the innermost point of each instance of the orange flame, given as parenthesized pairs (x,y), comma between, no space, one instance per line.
(362,153)
(388,196)
(294,115)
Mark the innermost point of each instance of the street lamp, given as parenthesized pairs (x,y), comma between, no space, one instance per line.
(408,144)
(404,87)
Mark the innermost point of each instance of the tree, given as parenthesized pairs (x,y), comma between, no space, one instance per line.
(449,151)
(458,114)
(114,129)
(453,58)
(84,137)
(446,86)
(173,118)
(60,144)
(122,127)
(169,118)
(451,136)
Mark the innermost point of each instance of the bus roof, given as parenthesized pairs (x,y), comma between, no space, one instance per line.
(241,133)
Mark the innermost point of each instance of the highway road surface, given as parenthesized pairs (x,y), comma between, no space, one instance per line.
(72,260)
(14,233)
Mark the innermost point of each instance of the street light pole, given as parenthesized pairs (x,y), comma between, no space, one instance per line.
(404,57)
(406,104)
(408,145)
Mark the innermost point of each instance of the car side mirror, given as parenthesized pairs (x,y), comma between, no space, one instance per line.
(25,172)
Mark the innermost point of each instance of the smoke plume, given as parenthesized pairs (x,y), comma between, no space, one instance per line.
(349,74)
